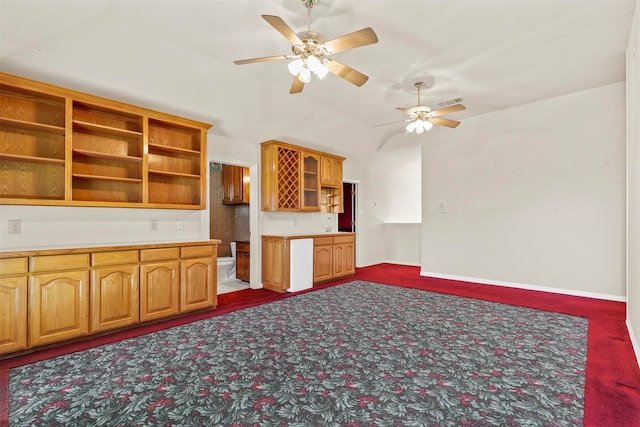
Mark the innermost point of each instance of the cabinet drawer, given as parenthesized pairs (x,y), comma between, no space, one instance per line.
(159,254)
(11,266)
(100,259)
(322,241)
(242,246)
(59,262)
(343,239)
(196,251)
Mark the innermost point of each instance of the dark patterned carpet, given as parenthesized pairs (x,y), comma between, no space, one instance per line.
(358,354)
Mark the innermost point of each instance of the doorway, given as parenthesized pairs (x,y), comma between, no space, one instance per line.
(232,219)
(347,219)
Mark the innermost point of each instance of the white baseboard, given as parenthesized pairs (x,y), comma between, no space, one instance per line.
(417,264)
(383,261)
(527,287)
(634,341)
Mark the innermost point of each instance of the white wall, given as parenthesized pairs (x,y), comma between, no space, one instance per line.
(402,243)
(59,227)
(633,183)
(397,175)
(388,204)
(535,195)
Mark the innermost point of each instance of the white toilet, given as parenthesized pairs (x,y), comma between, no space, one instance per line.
(227,266)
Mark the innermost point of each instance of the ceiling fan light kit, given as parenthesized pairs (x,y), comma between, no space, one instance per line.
(422,118)
(419,126)
(311,54)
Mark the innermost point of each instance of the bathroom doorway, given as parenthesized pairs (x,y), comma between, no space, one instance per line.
(230,221)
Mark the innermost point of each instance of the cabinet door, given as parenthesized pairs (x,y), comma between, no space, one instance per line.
(331,171)
(13,314)
(58,306)
(322,259)
(275,264)
(114,297)
(343,256)
(197,285)
(231,184)
(159,290)
(245,185)
(242,266)
(310,182)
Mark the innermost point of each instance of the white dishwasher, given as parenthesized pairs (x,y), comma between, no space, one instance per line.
(301,264)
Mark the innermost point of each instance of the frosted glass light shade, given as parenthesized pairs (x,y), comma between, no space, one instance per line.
(295,66)
(321,70)
(313,63)
(305,75)
(411,126)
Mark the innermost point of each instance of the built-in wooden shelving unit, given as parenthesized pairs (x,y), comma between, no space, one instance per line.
(63,147)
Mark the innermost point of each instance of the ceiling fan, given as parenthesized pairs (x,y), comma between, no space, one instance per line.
(311,52)
(422,118)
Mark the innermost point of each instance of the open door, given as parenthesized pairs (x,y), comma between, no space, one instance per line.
(347,219)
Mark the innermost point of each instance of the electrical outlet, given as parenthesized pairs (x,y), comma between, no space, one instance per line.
(179,225)
(153,225)
(15,226)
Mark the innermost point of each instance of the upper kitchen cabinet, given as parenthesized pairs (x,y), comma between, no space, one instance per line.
(68,148)
(235,185)
(293,179)
(331,170)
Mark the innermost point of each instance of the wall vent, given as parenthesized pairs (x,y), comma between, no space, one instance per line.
(449,102)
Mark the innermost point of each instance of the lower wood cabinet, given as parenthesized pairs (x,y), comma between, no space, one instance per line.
(344,256)
(13,312)
(114,294)
(57,295)
(333,257)
(275,263)
(322,259)
(243,261)
(159,290)
(58,306)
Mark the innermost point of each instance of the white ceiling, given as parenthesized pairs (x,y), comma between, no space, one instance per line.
(177,56)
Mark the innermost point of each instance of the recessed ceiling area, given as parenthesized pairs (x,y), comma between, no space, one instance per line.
(177,57)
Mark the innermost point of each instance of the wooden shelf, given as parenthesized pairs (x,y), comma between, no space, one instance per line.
(27,197)
(40,127)
(176,174)
(32,159)
(92,127)
(173,150)
(107,178)
(109,156)
(63,147)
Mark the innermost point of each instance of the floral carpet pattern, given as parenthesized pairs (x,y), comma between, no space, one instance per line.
(357,354)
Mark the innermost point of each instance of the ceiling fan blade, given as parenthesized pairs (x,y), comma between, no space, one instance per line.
(390,123)
(404,110)
(264,58)
(277,23)
(347,73)
(443,122)
(296,85)
(359,38)
(447,110)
